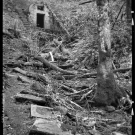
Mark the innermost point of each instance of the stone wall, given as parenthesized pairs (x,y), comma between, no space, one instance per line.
(50,22)
(33,15)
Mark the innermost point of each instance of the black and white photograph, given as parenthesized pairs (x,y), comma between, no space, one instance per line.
(67,67)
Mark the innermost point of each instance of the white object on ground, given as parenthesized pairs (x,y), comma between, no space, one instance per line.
(51,56)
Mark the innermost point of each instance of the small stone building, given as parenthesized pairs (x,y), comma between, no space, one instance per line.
(41,16)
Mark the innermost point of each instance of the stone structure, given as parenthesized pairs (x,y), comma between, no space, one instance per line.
(41,16)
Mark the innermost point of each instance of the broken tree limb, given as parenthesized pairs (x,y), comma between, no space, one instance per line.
(10,75)
(34,93)
(75,105)
(27,97)
(114,71)
(46,98)
(115,68)
(35,64)
(35,76)
(38,64)
(20,71)
(85,95)
(78,92)
(14,64)
(86,2)
(122,70)
(38,77)
(24,79)
(60,77)
(52,66)
(82,91)
(67,88)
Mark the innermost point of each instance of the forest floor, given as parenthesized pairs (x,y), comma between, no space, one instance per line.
(70,96)
(17,119)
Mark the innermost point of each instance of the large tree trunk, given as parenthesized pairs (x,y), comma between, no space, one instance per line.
(128,11)
(108,92)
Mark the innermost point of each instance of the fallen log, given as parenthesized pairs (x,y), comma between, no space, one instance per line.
(35,97)
(24,79)
(66,66)
(75,105)
(38,77)
(85,91)
(85,95)
(86,2)
(34,94)
(122,70)
(114,71)
(79,92)
(14,64)
(31,98)
(67,88)
(35,76)
(35,64)
(9,75)
(52,66)
(20,71)
(60,77)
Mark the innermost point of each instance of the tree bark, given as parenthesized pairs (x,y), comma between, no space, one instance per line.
(128,11)
(108,92)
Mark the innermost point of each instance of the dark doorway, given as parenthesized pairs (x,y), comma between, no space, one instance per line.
(40,20)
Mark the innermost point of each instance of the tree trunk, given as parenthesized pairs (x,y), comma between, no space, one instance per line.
(128,11)
(108,92)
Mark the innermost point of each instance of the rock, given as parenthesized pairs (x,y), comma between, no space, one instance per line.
(43,112)
(47,127)
(38,87)
(110,108)
(117,133)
